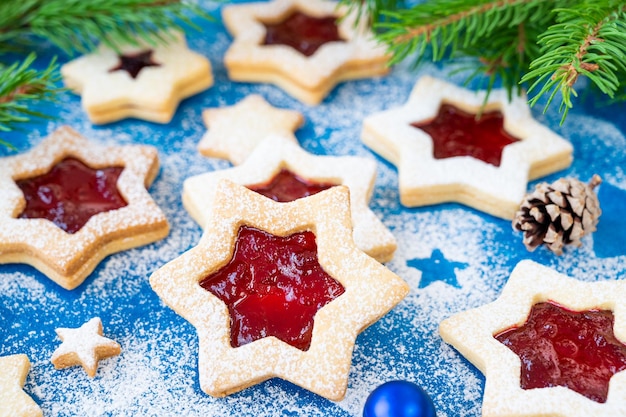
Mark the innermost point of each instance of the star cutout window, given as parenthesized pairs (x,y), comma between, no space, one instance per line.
(134,63)
(559,347)
(437,268)
(266,169)
(287,186)
(458,133)
(71,193)
(320,223)
(549,345)
(305,47)
(302,32)
(434,171)
(273,286)
(102,214)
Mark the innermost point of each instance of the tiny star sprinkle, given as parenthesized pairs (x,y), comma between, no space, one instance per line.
(84,346)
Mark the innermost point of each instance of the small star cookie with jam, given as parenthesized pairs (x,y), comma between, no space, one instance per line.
(68,203)
(449,148)
(306,47)
(550,345)
(14,402)
(277,290)
(281,170)
(84,346)
(236,130)
(143,81)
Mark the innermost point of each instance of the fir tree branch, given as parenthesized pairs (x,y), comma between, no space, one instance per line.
(21,84)
(589,39)
(78,25)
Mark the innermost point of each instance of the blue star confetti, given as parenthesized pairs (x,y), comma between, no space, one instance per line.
(437,268)
(610,238)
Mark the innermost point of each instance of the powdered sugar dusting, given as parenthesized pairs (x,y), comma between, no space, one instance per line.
(157,371)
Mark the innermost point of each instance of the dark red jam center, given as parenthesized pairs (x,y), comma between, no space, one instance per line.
(458,133)
(273,286)
(559,347)
(134,63)
(302,32)
(71,193)
(287,186)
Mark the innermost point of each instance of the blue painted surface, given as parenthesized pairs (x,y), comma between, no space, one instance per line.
(156,375)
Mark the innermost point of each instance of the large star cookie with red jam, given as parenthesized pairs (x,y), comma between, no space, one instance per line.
(283,171)
(549,345)
(277,290)
(142,81)
(68,203)
(305,47)
(14,402)
(448,148)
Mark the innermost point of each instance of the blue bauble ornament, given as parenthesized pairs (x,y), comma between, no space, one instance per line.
(399,399)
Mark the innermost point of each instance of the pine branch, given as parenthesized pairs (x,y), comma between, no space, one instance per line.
(589,39)
(20,84)
(78,25)
(546,44)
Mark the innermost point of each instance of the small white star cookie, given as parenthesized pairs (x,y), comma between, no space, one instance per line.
(424,179)
(473,333)
(84,346)
(276,153)
(371,290)
(14,402)
(68,258)
(145,81)
(236,130)
(307,78)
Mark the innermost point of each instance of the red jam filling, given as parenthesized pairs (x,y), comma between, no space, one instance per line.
(273,286)
(287,186)
(302,32)
(71,193)
(559,347)
(134,63)
(458,133)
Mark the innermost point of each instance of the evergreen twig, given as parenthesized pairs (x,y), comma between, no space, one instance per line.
(521,43)
(20,85)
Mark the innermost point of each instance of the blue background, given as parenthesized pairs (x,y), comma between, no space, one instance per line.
(453,258)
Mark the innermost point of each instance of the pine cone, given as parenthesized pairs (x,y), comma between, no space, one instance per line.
(558,214)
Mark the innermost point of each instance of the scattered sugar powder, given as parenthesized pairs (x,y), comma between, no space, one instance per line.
(156,373)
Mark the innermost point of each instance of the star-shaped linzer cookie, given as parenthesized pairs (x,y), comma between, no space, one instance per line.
(280,159)
(445,154)
(305,47)
(569,335)
(14,402)
(234,131)
(68,203)
(84,346)
(143,81)
(273,261)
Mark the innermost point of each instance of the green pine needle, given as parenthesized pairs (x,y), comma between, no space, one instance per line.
(20,85)
(544,44)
